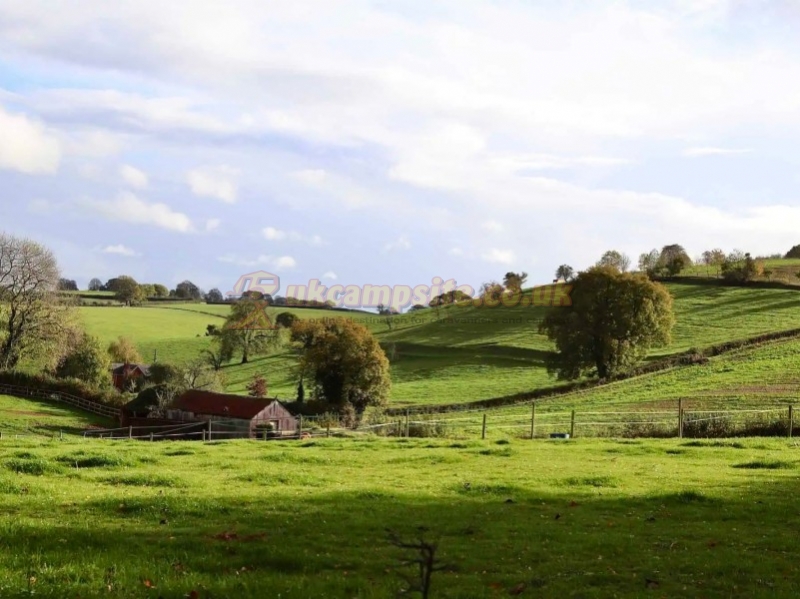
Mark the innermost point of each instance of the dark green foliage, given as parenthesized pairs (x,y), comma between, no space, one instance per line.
(286,319)
(614,319)
(794,252)
(87,361)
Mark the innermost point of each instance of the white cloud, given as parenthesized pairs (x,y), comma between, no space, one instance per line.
(455,252)
(401,243)
(127,207)
(514,164)
(330,275)
(277,263)
(133,176)
(212,224)
(119,249)
(26,145)
(273,234)
(492,225)
(499,256)
(695,152)
(218,182)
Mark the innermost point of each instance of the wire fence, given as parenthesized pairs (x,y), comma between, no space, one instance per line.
(679,422)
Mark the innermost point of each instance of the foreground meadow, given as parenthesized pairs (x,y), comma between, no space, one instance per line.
(588,518)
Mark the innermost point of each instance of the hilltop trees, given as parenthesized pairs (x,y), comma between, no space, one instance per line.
(740,267)
(214,296)
(347,365)
(615,259)
(513,281)
(95,285)
(67,285)
(127,290)
(614,319)
(188,290)
(160,290)
(34,320)
(565,272)
(673,259)
(794,252)
(713,258)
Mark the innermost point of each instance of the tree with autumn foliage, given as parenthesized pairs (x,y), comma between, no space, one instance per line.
(257,387)
(345,362)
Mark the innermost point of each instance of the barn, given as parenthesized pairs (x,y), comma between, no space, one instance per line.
(233,416)
(122,374)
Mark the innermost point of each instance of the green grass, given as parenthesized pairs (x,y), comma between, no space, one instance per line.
(588,518)
(33,417)
(457,355)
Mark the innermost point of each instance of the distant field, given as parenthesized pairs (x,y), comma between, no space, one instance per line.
(588,518)
(458,354)
(788,268)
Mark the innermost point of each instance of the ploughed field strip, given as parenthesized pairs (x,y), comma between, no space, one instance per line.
(296,519)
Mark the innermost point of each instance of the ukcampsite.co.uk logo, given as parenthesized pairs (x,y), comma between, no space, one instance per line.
(398,297)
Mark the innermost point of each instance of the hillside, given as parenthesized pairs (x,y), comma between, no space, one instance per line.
(34,417)
(463,353)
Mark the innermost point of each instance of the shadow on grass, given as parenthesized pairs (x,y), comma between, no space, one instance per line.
(495,540)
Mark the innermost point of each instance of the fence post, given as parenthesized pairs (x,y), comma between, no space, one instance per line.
(680,419)
(61,435)
(483,428)
(151,435)
(533,418)
(130,432)
(328,430)
(407,429)
(791,420)
(572,425)
(300,427)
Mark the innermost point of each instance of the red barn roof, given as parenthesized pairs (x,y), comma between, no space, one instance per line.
(220,404)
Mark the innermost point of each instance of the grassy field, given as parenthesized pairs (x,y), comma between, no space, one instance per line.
(458,354)
(588,518)
(27,417)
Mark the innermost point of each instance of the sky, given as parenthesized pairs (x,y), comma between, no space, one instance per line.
(389,143)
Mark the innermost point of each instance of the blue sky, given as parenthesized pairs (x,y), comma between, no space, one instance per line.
(388,143)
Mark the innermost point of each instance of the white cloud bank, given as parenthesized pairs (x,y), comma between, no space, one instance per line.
(218,182)
(129,208)
(26,145)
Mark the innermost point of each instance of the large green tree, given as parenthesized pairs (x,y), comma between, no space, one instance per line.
(345,362)
(614,319)
(35,321)
(128,291)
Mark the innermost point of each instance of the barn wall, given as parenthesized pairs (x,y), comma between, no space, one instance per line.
(275,411)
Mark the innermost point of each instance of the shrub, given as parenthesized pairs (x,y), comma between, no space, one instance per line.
(286,320)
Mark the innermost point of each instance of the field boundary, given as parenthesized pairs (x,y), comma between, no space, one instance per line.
(59,396)
(683,359)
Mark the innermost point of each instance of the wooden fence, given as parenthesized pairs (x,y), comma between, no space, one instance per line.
(61,397)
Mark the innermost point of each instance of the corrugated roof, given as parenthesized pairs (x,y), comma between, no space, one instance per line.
(220,404)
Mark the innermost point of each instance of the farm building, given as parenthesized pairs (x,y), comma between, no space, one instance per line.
(236,415)
(122,374)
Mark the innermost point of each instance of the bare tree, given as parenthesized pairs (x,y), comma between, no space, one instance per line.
(422,559)
(34,320)
(615,259)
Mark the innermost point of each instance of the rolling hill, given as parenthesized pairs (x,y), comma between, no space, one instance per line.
(459,354)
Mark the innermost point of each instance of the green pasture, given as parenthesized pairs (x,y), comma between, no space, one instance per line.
(588,518)
(455,354)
